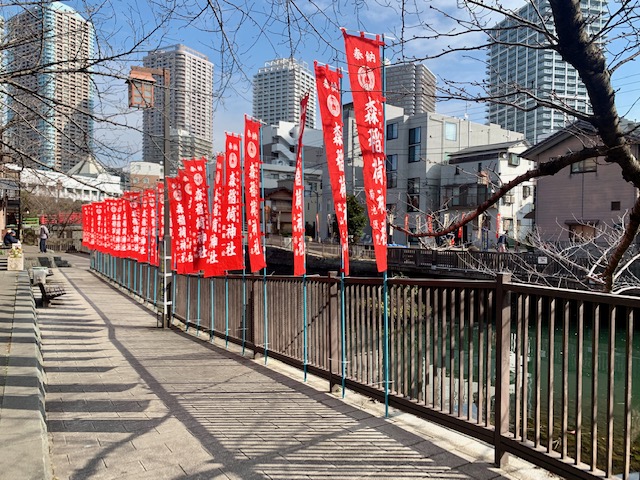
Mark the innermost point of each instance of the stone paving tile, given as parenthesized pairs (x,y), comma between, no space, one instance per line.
(129,401)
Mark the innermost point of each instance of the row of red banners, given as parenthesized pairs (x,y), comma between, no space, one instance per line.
(208,236)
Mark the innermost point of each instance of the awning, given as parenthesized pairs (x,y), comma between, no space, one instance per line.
(7,184)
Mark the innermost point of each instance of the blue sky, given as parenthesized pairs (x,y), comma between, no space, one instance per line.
(263,35)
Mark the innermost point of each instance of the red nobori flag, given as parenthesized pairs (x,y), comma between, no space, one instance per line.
(98,226)
(152,213)
(180,255)
(195,185)
(297,207)
(160,210)
(111,230)
(214,265)
(329,98)
(231,253)
(363,59)
(252,193)
(87,227)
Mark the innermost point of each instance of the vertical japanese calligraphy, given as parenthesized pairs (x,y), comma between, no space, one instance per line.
(363,60)
(214,265)
(231,253)
(297,207)
(329,98)
(252,167)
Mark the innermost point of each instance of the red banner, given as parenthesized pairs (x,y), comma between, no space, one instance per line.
(195,183)
(363,60)
(297,207)
(179,238)
(252,163)
(498,225)
(160,210)
(150,202)
(231,252)
(214,266)
(329,98)
(87,230)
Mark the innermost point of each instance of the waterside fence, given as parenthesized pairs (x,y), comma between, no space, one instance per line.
(540,373)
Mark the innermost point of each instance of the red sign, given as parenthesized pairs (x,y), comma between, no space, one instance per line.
(363,60)
(252,162)
(214,266)
(297,207)
(195,184)
(231,252)
(329,98)
(179,237)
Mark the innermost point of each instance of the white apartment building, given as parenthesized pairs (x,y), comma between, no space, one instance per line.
(472,175)
(278,88)
(511,63)
(190,110)
(410,86)
(54,107)
(418,147)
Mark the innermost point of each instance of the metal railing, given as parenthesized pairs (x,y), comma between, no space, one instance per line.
(544,374)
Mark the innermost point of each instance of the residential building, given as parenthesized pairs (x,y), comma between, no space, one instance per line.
(278,88)
(474,174)
(585,197)
(190,106)
(512,65)
(87,181)
(411,86)
(418,147)
(279,160)
(143,175)
(49,111)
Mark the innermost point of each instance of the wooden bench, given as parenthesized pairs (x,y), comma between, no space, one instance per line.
(49,292)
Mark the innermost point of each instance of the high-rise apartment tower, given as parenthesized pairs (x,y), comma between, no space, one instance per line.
(49,110)
(190,108)
(278,88)
(411,86)
(542,72)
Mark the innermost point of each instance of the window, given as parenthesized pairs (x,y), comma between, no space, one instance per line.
(588,165)
(615,206)
(414,136)
(392,179)
(581,233)
(414,145)
(413,194)
(392,162)
(450,131)
(392,131)
(514,159)
(527,191)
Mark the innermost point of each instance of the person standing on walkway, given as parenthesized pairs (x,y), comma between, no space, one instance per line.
(502,242)
(44,234)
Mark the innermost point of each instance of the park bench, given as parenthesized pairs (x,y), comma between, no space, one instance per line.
(49,292)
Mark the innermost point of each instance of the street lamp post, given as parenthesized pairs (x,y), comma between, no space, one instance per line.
(141,95)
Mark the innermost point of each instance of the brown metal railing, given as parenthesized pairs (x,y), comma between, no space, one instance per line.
(544,374)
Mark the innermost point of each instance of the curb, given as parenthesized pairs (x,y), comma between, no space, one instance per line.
(23,430)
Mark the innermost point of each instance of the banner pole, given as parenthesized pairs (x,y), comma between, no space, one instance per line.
(305,339)
(385,288)
(343,315)
(245,250)
(264,250)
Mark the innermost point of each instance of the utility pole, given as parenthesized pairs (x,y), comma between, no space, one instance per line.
(141,95)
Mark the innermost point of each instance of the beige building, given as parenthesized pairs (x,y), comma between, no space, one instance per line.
(190,110)
(584,197)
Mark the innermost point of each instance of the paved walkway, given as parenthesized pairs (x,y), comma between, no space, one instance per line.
(126,400)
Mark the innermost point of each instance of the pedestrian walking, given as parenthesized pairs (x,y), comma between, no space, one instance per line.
(502,242)
(44,234)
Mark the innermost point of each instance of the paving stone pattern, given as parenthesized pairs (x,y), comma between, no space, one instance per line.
(126,400)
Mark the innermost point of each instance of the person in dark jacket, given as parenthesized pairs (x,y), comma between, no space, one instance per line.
(10,238)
